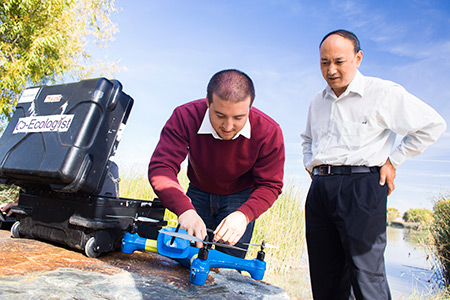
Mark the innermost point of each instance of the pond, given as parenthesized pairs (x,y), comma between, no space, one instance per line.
(409,266)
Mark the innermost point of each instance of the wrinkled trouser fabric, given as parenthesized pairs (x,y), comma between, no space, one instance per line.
(214,208)
(346,237)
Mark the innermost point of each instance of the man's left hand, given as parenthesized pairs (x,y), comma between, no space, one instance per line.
(387,175)
(231,229)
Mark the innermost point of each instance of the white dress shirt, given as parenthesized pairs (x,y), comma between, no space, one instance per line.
(359,127)
(206,128)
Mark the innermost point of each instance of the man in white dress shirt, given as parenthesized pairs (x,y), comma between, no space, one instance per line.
(347,150)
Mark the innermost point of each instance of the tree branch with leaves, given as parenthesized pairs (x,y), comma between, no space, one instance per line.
(43,42)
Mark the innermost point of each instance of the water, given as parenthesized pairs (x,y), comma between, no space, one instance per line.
(408,265)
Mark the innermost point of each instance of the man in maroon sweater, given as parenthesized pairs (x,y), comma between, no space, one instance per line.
(235,162)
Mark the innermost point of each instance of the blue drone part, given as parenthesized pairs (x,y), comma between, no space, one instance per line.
(175,248)
(132,242)
(199,261)
(200,266)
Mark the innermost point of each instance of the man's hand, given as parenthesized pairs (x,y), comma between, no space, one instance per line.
(193,224)
(387,175)
(7,207)
(231,229)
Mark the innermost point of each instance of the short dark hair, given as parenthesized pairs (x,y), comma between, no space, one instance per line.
(232,85)
(345,34)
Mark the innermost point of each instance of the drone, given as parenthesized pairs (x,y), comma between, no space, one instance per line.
(175,243)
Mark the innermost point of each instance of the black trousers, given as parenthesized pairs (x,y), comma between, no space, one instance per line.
(346,237)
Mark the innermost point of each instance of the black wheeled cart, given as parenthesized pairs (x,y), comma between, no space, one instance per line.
(58,148)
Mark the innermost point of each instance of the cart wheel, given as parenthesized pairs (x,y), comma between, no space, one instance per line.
(91,248)
(15,230)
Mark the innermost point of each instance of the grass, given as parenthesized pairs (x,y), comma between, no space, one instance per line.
(442,295)
(8,193)
(441,232)
(283,225)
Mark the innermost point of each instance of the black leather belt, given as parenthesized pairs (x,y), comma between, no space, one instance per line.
(326,170)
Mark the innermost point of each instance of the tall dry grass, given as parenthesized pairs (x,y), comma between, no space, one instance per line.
(283,225)
(8,193)
(441,233)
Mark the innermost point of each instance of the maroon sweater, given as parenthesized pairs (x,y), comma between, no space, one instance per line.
(217,166)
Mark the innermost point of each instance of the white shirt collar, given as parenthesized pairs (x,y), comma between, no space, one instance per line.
(356,86)
(206,128)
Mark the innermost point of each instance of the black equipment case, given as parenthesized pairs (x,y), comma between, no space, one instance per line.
(95,224)
(61,137)
(57,148)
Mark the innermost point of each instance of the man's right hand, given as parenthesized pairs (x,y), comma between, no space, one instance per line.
(193,224)
(387,175)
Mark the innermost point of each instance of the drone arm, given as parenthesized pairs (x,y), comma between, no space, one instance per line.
(200,267)
(255,267)
(132,242)
(151,246)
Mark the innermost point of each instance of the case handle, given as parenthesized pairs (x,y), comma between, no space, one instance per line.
(115,95)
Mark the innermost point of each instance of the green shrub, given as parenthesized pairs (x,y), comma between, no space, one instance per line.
(441,233)
(392,214)
(419,215)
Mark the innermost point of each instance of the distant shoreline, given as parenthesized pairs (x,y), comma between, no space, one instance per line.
(407,225)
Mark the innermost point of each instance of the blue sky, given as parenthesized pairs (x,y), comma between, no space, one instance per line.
(168,50)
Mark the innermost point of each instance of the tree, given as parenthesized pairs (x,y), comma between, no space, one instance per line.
(392,214)
(42,42)
(418,215)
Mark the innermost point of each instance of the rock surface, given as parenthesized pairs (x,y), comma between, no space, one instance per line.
(31,269)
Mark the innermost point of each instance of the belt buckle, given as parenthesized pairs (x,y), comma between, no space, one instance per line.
(324,170)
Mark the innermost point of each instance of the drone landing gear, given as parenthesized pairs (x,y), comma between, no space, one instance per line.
(210,258)
(200,261)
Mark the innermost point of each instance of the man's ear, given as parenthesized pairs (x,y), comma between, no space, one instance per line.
(207,101)
(359,57)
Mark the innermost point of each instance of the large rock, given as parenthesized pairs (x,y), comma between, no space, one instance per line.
(31,269)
